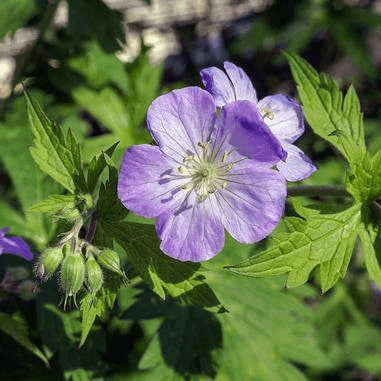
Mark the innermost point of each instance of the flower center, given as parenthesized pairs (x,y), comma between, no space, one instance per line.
(206,170)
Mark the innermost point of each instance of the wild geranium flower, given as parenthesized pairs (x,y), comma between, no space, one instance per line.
(195,182)
(280,112)
(14,245)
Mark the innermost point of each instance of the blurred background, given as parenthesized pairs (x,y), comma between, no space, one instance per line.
(95,66)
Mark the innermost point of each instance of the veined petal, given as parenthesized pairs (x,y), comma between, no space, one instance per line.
(242,123)
(283,115)
(16,246)
(217,83)
(148,183)
(180,119)
(253,202)
(243,87)
(194,232)
(297,166)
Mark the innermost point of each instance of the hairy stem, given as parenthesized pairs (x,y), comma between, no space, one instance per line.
(318,190)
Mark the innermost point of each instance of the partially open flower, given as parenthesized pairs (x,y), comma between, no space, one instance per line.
(280,112)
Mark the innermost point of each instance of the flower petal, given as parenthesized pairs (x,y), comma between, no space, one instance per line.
(249,134)
(193,233)
(284,116)
(253,202)
(148,183)
(180,119)
(243,87)
(297,166)
(16,246)
(217,83)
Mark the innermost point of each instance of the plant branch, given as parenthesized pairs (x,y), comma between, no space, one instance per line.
(318,190)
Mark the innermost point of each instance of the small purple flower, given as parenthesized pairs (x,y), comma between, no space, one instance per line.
(196,183)
(14,245)
(280,112)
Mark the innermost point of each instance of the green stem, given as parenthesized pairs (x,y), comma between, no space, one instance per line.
(318,190)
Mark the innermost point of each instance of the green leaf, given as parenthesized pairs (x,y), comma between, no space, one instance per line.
(14,14)
(89,19)
(364,182)
(101,68)
(160,271)
(54,203)
(17,328)
(56,155)
(195,344)
(60,332)
(319,239)
(96,166)
(97,305)
(336,120)
(368,235)
(109,206)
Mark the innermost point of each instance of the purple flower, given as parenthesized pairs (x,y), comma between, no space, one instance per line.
(195,182)
(14,245)
(280,112)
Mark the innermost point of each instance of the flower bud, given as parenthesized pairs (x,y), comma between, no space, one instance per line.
(48,262)
(72,274)
(110,260)
(94,275)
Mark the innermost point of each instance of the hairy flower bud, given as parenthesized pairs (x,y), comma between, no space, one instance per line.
(110,260)
(72,274)
(94,275)
(48,262)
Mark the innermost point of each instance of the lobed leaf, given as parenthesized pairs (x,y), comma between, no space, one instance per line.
(56,155)
(336,120)
(319,239)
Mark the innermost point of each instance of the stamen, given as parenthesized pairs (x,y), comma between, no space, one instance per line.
(224,184)
(188,158)
(201,197)
(187,186)
(225,156)
(229,167)
(182,170)
(267,113)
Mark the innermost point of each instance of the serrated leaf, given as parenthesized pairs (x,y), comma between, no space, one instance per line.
(16,327)
(93,305)
(96,166)
(319,239)
(54,203)
(368,236)
(336,120)
(364,182)
(56,155)
(177,278)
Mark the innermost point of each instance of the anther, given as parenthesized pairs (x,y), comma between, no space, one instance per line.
(224,184)
(229,167)
(187,186)
(201,197)
(224,156)
(188,158)
(267,113)
(181,170)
